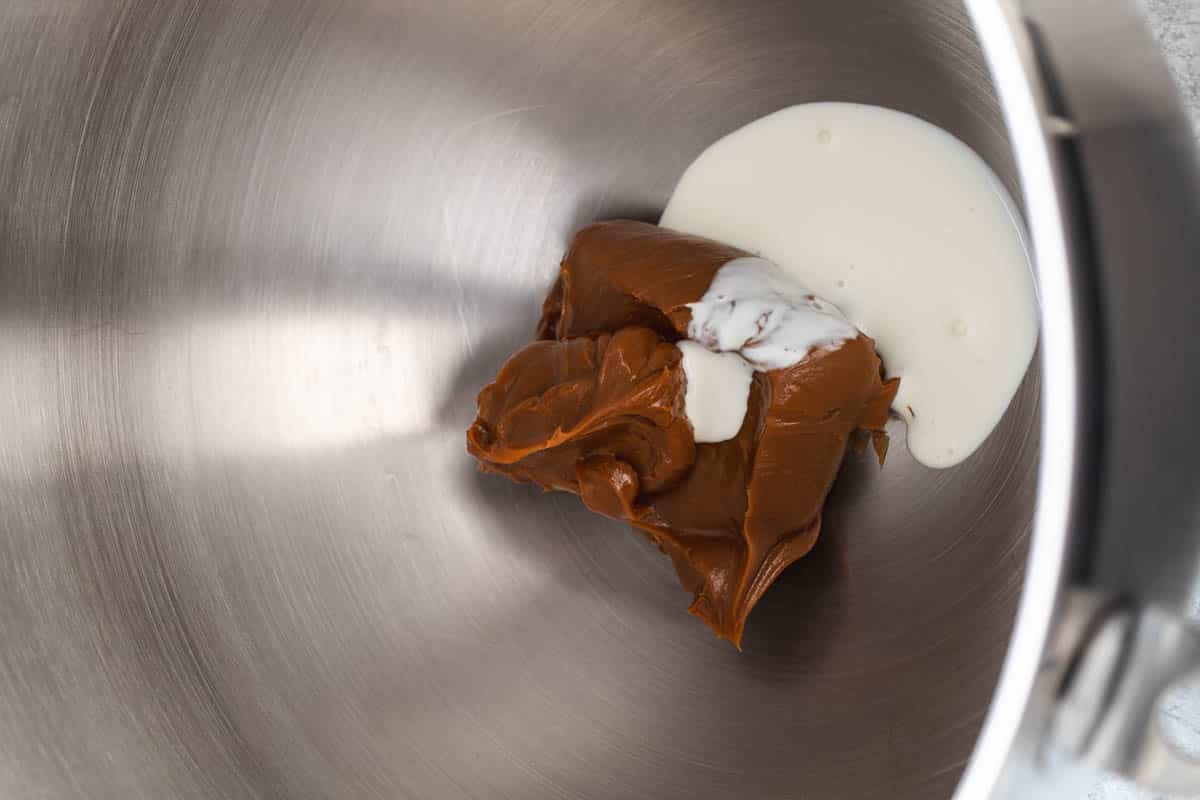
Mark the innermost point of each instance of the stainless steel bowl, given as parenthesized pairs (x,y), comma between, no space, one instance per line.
(256,258)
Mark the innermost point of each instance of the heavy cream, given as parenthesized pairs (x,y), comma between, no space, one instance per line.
(755,309)
(901,226)
(717,394)
(753,317)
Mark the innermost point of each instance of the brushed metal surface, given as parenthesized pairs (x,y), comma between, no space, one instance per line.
(256,258)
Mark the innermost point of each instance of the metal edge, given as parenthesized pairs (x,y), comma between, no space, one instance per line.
(1020,703)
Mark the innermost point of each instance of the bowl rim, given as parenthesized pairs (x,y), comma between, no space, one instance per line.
(1011,60)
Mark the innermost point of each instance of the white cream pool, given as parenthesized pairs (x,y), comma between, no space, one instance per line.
(906,230)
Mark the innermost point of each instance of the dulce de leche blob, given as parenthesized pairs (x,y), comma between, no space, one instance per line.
(598,406)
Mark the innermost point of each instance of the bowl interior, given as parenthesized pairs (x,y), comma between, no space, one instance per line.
(267,253)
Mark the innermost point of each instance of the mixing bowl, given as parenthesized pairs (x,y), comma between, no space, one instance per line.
(257,258)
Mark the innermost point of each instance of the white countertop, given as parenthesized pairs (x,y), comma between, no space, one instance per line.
(1176,23)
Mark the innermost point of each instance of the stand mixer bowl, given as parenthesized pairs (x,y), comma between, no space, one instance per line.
(256,259)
